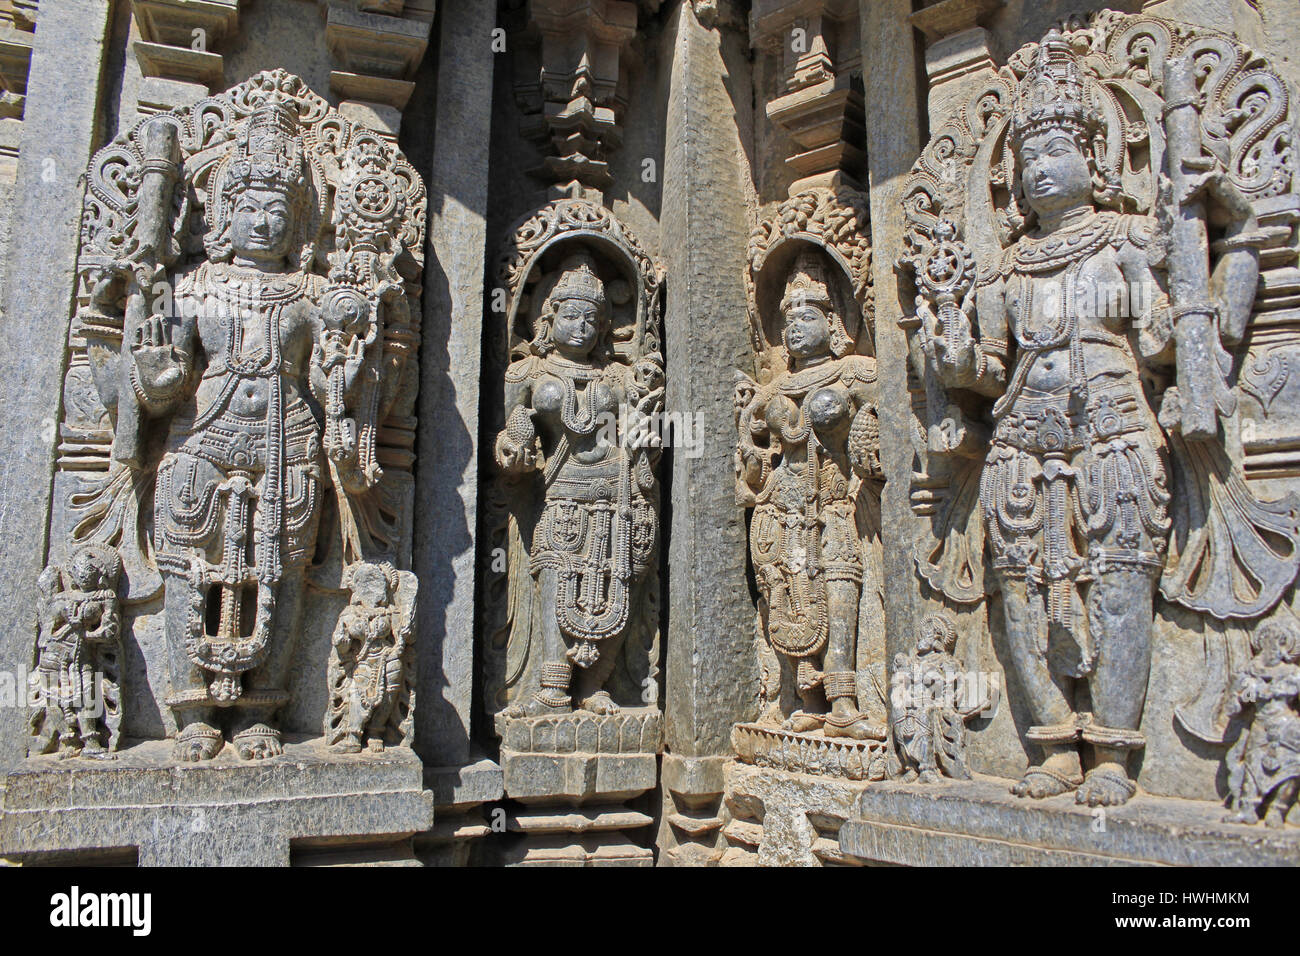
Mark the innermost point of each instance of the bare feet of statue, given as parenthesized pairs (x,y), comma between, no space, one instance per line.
(802,722)
(544,703)
(600,703)
(844,720)
(350,744)
(258,742)
(197,741)
(1107,785)
(1058,774)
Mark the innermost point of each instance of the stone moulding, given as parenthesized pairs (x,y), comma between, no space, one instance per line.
(979,823)
(810,753)
(223,812)
(581,756)
(629,731)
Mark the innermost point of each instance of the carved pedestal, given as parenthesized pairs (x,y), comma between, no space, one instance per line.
(979,823)
(222,812)
(578,777)
(777,818)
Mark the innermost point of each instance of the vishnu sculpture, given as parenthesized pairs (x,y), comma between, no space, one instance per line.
(577,423)
(247,323)
(1072,286)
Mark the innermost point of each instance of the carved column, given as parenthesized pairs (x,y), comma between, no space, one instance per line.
(376,46)
(818,105)
(959,51)
(17,20)
(889,63)
(712,673)
(62,101)
(448,438)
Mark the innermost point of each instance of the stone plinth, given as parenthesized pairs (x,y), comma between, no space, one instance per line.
(221,812)
(810,753)
(580,756)
(578,777)
(775,818)
(979,823)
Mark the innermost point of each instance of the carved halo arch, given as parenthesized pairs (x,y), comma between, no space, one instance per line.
(834,222)
(539,242)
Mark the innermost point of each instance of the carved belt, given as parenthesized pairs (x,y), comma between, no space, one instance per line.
(1048,425)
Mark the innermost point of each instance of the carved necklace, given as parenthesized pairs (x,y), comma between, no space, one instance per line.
(575,413)
(1066,245)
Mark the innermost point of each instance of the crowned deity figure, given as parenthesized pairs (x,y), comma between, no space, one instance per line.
(579,415)
(238,488)
(808,464)
(1075,490)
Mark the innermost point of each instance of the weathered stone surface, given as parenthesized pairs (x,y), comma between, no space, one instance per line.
(711,671)
(62,101)
(445,527)
(580,756)
(976,542)
(979,823)
(777,818)
(224,812)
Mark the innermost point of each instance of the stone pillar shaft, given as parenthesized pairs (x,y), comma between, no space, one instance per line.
(63,93)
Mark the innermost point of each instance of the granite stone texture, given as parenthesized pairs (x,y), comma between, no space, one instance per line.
(650,432)
(226,812)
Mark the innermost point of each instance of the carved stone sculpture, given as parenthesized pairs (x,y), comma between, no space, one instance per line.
(249,265)
(1054,271)
(372,661)
(1264,765)
(76,677)
(577,457)
(933,698)
(808,464)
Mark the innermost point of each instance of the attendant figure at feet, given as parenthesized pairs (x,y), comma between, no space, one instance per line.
(78,647)
(577,421)
(808,463)
(371,667)
(1264,765)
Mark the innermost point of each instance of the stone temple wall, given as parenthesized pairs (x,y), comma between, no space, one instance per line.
(649,432)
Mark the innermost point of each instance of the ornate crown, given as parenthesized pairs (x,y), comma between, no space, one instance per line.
(807,283)
(1053,93)
(268,152)
(579,281)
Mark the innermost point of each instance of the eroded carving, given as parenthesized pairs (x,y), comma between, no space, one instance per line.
(371,671)
(933,699)
(76,680)
(1264,764)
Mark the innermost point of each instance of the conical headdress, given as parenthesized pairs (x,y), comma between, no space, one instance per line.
(807,283)
(579,281)
(268,153)
(1053,93)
